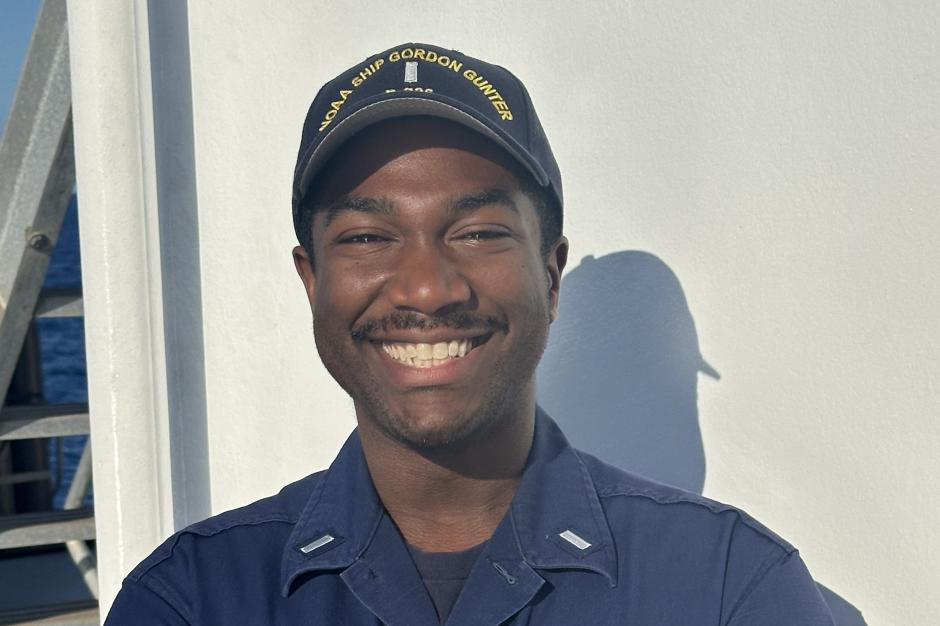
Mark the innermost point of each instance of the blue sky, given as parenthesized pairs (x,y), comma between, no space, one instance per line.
(17,18)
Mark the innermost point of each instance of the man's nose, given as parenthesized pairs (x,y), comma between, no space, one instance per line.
(428,281)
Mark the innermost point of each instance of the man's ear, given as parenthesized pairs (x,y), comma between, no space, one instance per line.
(304,266)
(555,265)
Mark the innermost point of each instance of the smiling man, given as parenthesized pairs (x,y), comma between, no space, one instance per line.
(427,204)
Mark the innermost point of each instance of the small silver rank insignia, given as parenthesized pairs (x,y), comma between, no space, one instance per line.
(411,71)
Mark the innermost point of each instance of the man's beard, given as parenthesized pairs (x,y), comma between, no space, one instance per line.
(456,431)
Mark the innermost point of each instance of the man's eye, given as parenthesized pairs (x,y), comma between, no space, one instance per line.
(362,238)
(482,235)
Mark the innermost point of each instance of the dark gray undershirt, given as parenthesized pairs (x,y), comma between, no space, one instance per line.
(443,575)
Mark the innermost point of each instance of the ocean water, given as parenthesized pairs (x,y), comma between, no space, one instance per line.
(62,341)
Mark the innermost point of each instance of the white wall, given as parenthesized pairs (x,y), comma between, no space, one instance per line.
(765,171)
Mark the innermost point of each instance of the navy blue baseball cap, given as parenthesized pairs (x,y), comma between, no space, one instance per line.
(421,79)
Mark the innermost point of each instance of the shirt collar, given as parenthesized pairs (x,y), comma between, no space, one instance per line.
(556,513)
(556,517)
(338,521)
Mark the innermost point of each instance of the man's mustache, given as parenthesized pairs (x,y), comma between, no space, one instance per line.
(409,320)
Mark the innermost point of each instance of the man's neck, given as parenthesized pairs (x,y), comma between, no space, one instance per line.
(449,499)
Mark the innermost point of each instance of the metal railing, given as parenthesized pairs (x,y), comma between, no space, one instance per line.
(37,177)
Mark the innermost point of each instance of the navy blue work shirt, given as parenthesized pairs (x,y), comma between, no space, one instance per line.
(582,543)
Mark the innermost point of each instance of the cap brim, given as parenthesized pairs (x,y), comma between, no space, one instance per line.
(401,107)
(708,370)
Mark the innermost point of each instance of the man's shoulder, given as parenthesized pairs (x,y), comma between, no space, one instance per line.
(642,504)
(259,529)
(690,556)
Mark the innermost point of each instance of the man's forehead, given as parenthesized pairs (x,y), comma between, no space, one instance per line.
(456,205)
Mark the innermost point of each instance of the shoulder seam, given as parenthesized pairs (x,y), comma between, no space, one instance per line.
(138,576)
(245,521)
(711,506)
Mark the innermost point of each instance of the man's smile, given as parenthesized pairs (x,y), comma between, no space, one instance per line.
(427,355)
(438,361)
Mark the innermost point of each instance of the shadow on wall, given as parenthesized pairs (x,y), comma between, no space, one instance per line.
(843,612)
(623,360)
(620,375)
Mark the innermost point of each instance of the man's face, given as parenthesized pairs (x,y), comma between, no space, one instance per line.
(431,300)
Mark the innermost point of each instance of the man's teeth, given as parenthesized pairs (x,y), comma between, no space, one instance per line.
(428,354)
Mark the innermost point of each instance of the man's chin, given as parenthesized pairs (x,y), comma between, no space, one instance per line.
(434,431)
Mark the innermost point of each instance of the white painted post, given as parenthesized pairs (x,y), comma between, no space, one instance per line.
(140,276)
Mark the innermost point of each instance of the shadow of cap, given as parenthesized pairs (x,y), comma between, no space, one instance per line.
(655,315)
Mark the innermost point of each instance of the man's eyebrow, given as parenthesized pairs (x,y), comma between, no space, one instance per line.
(355,203)
(480,199)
